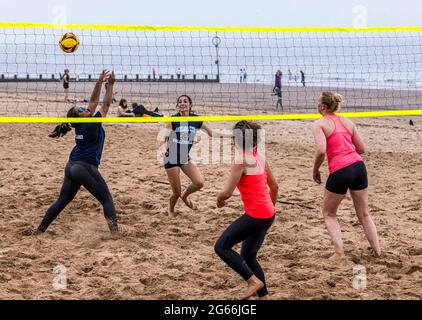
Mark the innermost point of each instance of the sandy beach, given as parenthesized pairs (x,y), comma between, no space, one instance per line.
(162,257)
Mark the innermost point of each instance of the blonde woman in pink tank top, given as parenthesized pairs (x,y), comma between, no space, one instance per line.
(338,138)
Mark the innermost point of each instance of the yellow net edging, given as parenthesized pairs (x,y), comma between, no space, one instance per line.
(25,25)
(395,113)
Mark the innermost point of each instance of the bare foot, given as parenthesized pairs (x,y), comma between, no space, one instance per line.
(172,205)
(189,203)
(254,284)
(121,232)
(31,232)
(116,235)
(377,254)
(337,256)
(172,213)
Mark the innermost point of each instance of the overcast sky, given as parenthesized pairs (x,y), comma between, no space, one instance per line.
(272,13)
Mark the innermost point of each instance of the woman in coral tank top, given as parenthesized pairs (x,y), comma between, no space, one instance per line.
(338,137)
(251,174)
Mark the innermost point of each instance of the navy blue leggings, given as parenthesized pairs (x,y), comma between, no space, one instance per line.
(77,174)
(252,232)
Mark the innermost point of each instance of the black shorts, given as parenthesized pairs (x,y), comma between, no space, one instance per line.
(353,177)
(65,86)
(173,165)
(175,162)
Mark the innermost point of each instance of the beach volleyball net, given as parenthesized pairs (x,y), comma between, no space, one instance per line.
(268,73)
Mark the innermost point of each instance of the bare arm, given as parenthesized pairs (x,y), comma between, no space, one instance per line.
(162,138)
(321,148)
(272,184)
(108,97)
(213,133)
(207,129)
(164,134)
(357,141)
(235,175)
(95,96)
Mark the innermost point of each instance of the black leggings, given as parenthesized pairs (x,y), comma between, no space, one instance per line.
(252,232)
(77,174)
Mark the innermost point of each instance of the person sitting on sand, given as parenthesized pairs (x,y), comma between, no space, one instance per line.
(123,111)
(140,111)
(339,138)
(251,174)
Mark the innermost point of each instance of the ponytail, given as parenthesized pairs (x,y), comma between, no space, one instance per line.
(62,129)
(332,100)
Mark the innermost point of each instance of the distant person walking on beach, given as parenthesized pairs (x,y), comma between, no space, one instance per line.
(241,75)
(277,92)
(277,80)
(244,75)
(290,74)
(178,73)
(339,138)
(66,80)
(277,89)
(302,75)
(153,73)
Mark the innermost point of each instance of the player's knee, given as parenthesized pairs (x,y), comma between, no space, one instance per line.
(199,184)
(362,215)
(219,247)
(329,214)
